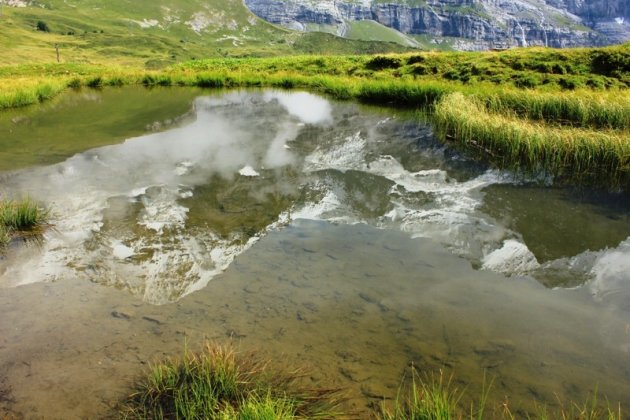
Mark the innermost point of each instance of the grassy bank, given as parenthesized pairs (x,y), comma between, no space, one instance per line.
(20,218)
(563,111)
(581,154)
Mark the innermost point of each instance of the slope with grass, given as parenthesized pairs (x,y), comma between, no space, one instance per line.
(151,33)
(370,30)
(132,32)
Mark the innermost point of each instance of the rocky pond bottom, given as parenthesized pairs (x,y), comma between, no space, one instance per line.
(354,304)
(328,235)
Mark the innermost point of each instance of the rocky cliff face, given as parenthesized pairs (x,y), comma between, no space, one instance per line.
(477,24)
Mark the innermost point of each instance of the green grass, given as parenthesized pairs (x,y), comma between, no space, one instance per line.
(21,215)
(20,218)
(435,397)
(608,110)
(223,384)
(585,155)
(5,238)
(20,92)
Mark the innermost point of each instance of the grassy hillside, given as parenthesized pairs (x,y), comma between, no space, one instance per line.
(152,33)
(369,30)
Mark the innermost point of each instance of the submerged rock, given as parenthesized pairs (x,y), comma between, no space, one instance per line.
(512,258)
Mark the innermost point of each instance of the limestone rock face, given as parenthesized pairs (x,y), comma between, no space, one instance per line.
(475,24)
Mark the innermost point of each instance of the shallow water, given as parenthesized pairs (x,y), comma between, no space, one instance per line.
(72,123)
(335,235)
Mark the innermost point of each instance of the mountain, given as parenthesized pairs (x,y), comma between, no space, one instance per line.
(156,33)
(151,32)
(461,24)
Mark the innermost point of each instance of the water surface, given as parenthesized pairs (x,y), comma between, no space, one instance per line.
(335,235)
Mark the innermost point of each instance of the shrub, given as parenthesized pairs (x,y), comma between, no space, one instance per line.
(451,75)
(115,81)
(382,62)
(558,69)
(570,83)
(416,59)
(609,62)
(42,26)
(74,83)
(527,81)
(149,80)
(544,68)
(95,82)
(420,70)
(595,83)
(210,81)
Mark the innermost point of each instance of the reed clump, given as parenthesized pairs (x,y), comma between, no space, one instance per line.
(20,218)
(221,383)
(20,92)
(5,238)
(402,93)
(431,398)
(607,110)
(22,214)
(571,153)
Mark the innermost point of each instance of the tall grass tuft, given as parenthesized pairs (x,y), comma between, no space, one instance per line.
(5,238)
(572,153)
(23,91)
(261,408)
(579,109)
(220,383)
(21,218)
(591,409)
(433,398)
(21,215)
(400,93)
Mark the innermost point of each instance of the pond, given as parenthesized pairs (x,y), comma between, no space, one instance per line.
(332,235)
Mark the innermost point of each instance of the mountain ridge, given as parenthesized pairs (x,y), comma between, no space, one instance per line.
(474,24)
